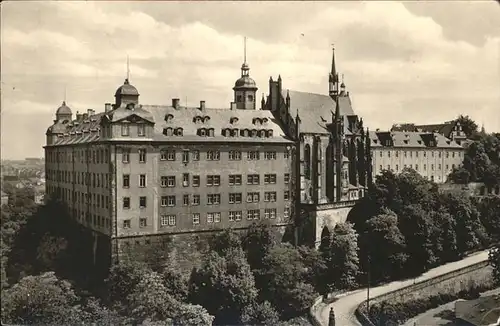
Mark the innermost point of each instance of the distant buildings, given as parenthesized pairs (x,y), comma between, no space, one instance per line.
(431,154)
(449,129)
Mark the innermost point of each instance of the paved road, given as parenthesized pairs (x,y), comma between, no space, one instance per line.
(346,305)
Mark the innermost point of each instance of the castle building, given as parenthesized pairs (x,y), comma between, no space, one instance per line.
(431,154)
(332,157)
(452,130)
(136,171)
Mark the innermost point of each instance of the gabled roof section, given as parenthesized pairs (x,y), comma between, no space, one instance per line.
(315,110)
(124,112)
(441,128)
(402,139)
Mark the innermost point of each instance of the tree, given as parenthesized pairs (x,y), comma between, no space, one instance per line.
(445,236)
(122,281)
(285,276)
(494,259)
(342,258)
(176,283)
(383,247)
(417,227)
(224,285)
(489,208)
(260,314)
(469,127)
(257,242)
(41,299)
(460,175)
(225,240)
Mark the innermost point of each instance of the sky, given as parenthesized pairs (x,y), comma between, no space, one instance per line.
(419,62)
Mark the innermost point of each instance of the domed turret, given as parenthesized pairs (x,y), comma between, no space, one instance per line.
(245,88)
(64,112)
(126,94)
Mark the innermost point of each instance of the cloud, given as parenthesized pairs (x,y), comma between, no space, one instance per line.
(398,64)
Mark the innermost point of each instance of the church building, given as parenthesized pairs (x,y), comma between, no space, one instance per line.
(332,157)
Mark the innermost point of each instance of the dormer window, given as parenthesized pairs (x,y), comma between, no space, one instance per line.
(235,132)
(206,119)
(169,117)
(197,119)
(211,132)
(202,132)
(125,130)
(270,133)
(256,121)
(179,132)
(168,131)
(233,120)
(262,134)
(254,133)
(265,120)
(141,130)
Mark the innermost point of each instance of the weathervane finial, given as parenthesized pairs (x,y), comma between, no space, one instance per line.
(128,68)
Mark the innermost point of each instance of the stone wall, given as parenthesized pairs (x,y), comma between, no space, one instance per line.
(329,217)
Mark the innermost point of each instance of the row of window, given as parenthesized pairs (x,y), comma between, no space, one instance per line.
(141,130)
(417,167)
(194,155)
(424,153)
(94,156)
(212,199)
(167,220)
(95,180)
(211,180)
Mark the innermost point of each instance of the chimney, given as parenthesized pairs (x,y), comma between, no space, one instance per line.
(108,107)
(78,116)
(202,105)
(233,105)
(175,103)
(85,116)
(90,112)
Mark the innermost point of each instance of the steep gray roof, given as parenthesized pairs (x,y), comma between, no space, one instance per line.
(402,139)
(78,132)
(315,110)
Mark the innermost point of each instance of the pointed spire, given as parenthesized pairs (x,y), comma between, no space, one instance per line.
(334,69)
(288,94)
(245,49)
(128,68)
(337,109)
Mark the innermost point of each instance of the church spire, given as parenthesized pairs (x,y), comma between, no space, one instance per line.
(245,69)
(333,79)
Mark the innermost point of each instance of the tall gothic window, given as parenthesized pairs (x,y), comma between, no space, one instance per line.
(307,161)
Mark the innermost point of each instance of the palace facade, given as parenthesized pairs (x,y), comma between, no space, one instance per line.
(135,171)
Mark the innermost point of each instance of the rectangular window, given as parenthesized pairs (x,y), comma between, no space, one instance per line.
(234,155)
(163,155)
(270,213)
(253,179)
(141,130)
(171,201)
(253,155)
(125,130)
(286,212)
(217,217)
(270,196)
(195,155)
(253,197)
(163,201)
(126,202)
(213,155)
(253,214)
(235,198)
(196,218)
(196,200)
(142,180)
(142,155)
(171,181)
(213,199)
(126,224)
(185,200)
(164,220)
(163,181)
(287,178)
(185,179)
(425,167)
(143,222)
(125,155)
(286,195)
(235,179)
(286,155)
(196,180)
(213,180)
(270,155)
(210,217)
(126,180)
(170,155)
(269,178)
(171,220)
(142,202)
(185,156)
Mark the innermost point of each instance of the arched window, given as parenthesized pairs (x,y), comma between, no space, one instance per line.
(270,133)
(307,161)
(179,132)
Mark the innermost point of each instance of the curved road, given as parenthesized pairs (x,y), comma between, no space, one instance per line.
(347,303)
